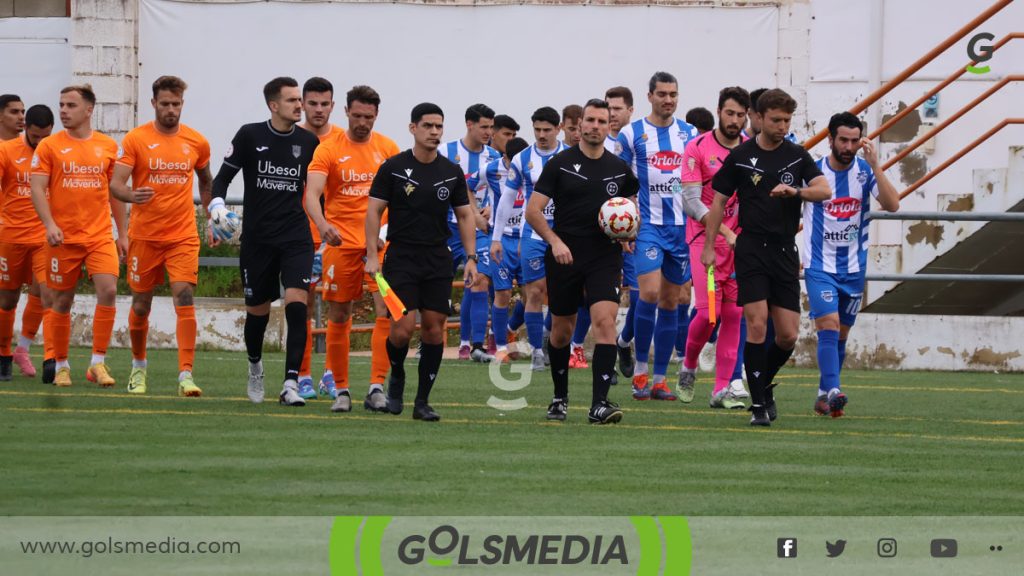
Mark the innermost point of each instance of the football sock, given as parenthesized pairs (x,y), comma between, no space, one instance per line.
(6,331)
(559,369)
(579,335)
(699,332)
(516,319)
(396,358)
(295,341)
(338,349)
(499,318)
(645,314)
(31,317)
(683,327)
(465,318)
(754,362)
(307,351)
(186,336)
(665,330)
(255,328)
(478,316)
(629,327)
(378,350)
(430,363)
(138,332)
(737,372)
(102,328)
(602,367)
(828,360)
(728,341)
(535,329)
(61,326)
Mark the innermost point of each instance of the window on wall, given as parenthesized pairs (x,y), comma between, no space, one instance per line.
(35,8)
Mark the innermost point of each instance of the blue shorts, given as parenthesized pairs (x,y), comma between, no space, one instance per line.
(629,271)
(483,255)
(455,245)
(531,258)
(832,293)
(663,248)
(508,269)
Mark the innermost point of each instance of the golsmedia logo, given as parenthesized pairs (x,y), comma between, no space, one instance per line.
(383,545)
(980,53)
(549,549)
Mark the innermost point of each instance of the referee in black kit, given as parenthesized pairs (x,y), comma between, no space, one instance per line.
(417,187)
(771,177)
(582,263)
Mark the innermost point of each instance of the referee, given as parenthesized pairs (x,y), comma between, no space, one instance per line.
(771,176)
(583,265)
(418,187)
(277,248)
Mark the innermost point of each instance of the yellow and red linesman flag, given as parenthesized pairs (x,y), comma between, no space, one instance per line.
(391,300)
(711,295)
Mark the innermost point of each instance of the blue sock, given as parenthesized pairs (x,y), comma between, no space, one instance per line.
(666,328)
(628,328)
(517,319)
(466,317)
(535,329)
(737,372)
(547,321)
(645,312)
(582,326)
(478,314)
(684,327)
(842,354)
(828,360)
(499,318)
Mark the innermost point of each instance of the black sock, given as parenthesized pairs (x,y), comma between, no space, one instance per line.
(754,363)
(602,366)
(775,359)
(559,369)
(396,356)
(430,363)
(295,341)
(255,328)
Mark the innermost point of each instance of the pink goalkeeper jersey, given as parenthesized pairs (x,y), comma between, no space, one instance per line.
(701,160)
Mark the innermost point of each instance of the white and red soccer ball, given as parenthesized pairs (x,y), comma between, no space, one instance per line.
(619,219)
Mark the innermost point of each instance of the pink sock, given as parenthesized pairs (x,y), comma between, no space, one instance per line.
(728,341)
(697,337)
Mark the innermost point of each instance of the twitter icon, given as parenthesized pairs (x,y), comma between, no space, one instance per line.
(834,550)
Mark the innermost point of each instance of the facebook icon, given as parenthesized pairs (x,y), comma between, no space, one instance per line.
(786,547)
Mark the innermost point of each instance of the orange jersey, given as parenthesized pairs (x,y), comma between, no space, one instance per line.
(167,164)
(334,131)
(350,168)
(79,173)
(21,224)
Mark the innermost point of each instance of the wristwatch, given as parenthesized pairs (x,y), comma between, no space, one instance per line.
(472,257)
(799,191)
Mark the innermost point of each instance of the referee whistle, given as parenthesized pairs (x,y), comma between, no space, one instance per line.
(711,296)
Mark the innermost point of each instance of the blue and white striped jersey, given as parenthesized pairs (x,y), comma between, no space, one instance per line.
(656,155)
(523,174)
(471,163)
(836,230)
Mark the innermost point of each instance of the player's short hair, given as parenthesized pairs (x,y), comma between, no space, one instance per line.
(755,95)
(597,103)
(84,90)
(505,121)
(620,92)
(272,90)
(8,99)
(572,112)
(844,119)
(776,99)
(317,84)
(701,118)
(477,111)
(545,114)
(663,77)
(39,116)
(363,94)
(172,84)
(422,109)
(515,146)
(736,94)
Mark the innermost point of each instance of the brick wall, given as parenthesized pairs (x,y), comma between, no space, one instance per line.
(104,40)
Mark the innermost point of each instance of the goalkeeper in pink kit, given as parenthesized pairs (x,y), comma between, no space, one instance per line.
(701,160)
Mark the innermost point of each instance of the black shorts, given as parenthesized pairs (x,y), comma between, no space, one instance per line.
(593,276)
(767,270)
(421,276)
(266,267)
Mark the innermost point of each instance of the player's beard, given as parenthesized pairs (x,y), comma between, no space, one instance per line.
(168,122)
(843,158)
(731,132)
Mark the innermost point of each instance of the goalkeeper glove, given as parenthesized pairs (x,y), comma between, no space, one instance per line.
(224,224)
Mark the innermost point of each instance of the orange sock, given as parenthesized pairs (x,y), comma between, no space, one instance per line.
(48,353)
(307,356)
(138,329)
(337,351)
(32,317)
(379,363)
(61,326)
(186,330)
(102,328)
(6,331)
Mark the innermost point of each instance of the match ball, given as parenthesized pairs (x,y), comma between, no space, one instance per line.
(619,219)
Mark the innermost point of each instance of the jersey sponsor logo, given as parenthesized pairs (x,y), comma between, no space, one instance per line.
(442,193)
(267,168)
(843,207)
(666,160)
(848,235)
(787,178)
(673,186)
(161,164)
(612,188)
(76,168)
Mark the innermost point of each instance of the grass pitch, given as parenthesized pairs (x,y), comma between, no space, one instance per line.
(912,443)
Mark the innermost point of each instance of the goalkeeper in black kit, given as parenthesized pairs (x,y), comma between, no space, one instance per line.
(277,248)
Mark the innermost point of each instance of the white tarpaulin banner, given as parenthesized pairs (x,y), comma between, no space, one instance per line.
(36,59)
(512,58)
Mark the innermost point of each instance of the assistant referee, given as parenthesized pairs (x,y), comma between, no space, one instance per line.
(417,187)
(582,263)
